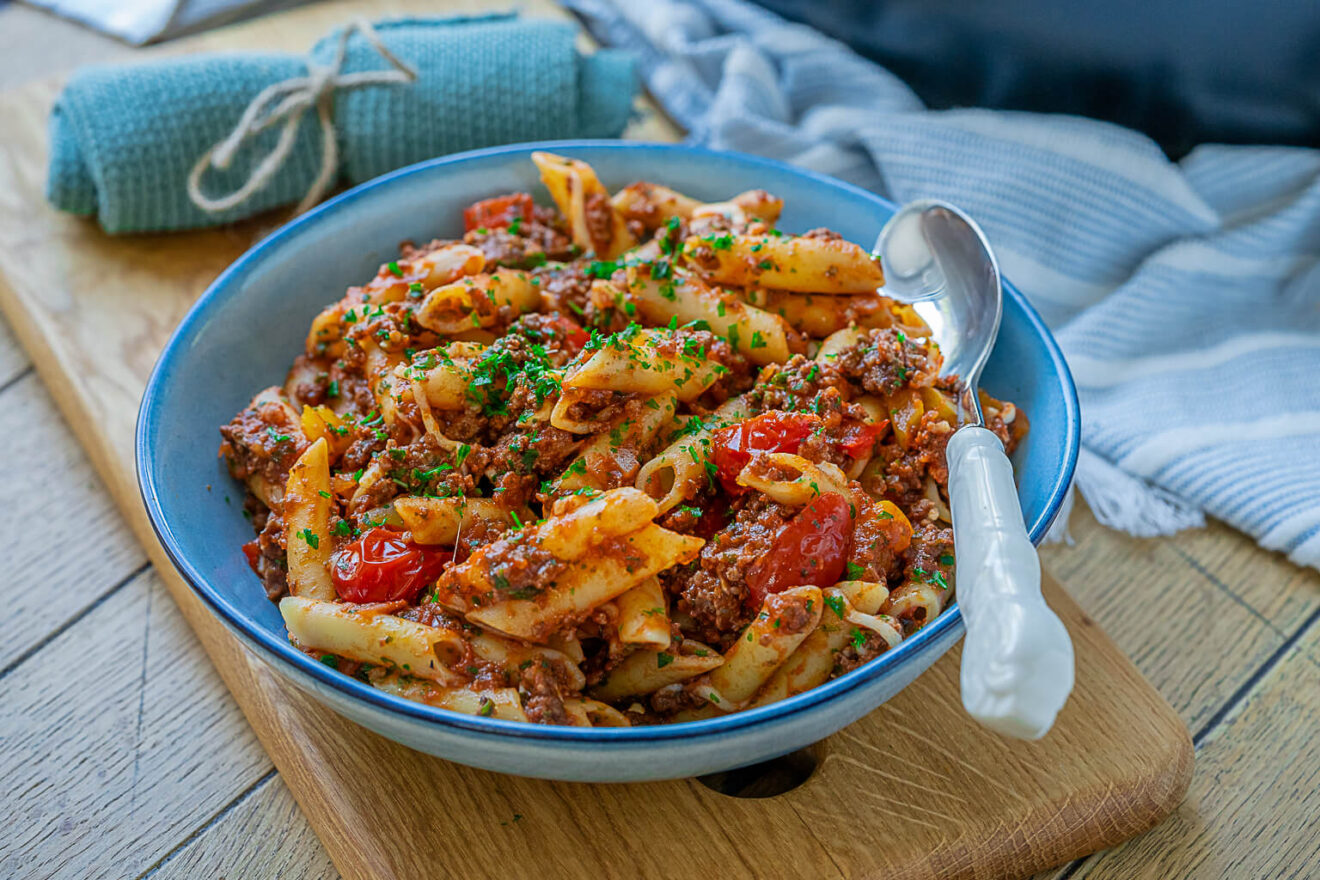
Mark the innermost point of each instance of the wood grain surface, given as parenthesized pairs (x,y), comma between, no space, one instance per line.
(1223,629)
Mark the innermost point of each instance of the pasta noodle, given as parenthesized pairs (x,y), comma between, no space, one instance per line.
(634,458)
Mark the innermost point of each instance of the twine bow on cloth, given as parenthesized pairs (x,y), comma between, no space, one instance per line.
(202,140)
(287,102)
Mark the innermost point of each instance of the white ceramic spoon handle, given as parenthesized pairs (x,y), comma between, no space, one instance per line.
(1017,662)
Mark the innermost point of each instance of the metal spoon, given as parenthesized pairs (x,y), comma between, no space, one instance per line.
(1017,663)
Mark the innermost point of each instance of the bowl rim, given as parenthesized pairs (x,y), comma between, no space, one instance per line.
(279,649)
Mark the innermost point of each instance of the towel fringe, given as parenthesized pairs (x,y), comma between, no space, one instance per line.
(1130,504)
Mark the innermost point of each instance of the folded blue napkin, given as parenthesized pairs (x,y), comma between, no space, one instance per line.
(124,139)
(1185,295)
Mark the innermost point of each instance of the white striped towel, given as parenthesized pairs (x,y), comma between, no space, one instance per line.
(1185,295)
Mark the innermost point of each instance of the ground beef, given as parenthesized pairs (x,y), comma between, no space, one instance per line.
(853,655)
(927,444)
(596,405)
(559,335)
(360,452)
(544,692)
(791,613)
(800,385)
(565,288)
(314,384)
(820,233)
(713,591)
(873,541)
(739,373)
(675,698)
(599,216)
(501,248)
(512,567)
(264,439)
(931,552)
(885,360)
(272,564)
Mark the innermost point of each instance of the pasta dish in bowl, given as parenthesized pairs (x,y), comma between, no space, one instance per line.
(652,467)
(626,460)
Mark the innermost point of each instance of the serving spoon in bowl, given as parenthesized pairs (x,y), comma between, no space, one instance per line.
(1017,662)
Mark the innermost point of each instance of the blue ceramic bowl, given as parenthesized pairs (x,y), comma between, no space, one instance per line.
(245,330)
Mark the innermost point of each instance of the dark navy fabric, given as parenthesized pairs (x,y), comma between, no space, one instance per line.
(1184,72)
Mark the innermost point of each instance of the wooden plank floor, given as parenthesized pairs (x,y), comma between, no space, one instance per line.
(124,756)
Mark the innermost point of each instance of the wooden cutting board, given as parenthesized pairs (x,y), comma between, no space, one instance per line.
(912,790)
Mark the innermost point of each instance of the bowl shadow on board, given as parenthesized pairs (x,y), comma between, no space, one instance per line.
(246,329)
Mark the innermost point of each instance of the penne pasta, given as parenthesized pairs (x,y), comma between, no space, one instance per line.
(652,205)
(440,520)
(680,471)
(502,703)
(644,615)
(579,194)
(367,634)
(784,622)
(477,302)
(307,524)
(606,459)
(791,479)
(794,263)
(650,362)
(761,336)
(572,535)
(646,671)
(586,583)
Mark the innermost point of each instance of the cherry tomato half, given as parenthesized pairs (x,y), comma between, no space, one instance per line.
(497,212)
(252,550)
(732,447)
(382,566)
(811,549)
(859,439)
(574,337)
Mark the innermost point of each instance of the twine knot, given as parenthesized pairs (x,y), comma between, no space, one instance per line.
(286,102)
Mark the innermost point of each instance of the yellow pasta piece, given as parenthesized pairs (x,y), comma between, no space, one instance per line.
(588,582)
(644,615)
(307,524)
(572,535)
(321,423)
(798,264)
(477,301)
(652,205)
(791,479)
(646,671)
(677,473)
(623,443)
(366,634)
(650,362)
(501,703)
(916,602)
(577,192)
(766,644)
(440,520)
(761,336)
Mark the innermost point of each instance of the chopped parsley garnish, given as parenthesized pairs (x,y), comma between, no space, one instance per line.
(662,660)
(835,604)
(601,268)
(394,268)
(858,638)
(855,571)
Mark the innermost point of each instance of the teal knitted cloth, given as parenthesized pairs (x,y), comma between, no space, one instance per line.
(123,140)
